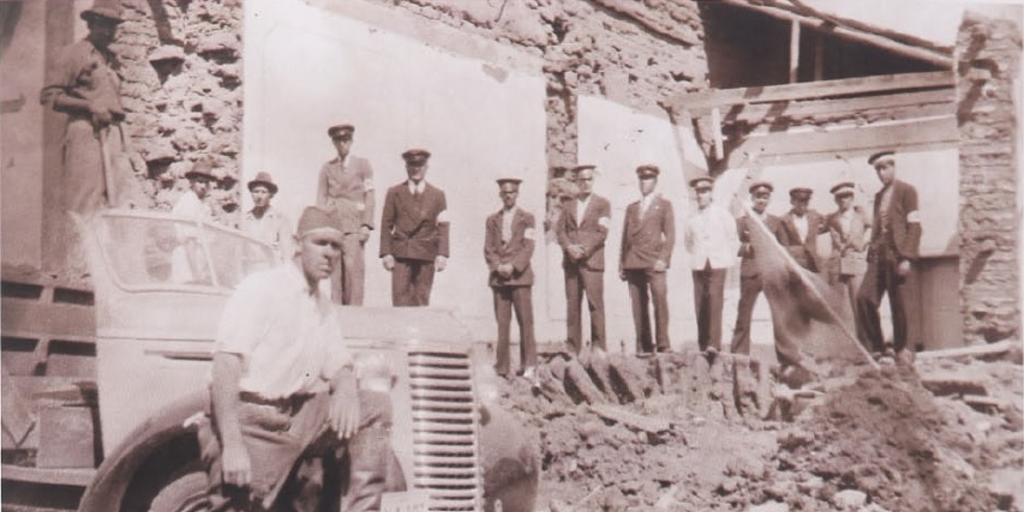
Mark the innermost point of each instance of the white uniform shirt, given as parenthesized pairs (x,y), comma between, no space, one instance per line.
(289,337)
(711,237)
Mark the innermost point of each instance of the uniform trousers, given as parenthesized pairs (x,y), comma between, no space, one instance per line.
(347,281)
(882,277)
(708,301)
(411,281)
(519,298)
(750,288)
(580,281)
(278,433)
(646,286)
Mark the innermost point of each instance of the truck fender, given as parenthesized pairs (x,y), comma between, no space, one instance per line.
(116,472)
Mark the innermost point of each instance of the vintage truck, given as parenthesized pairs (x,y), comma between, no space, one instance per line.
(115,412)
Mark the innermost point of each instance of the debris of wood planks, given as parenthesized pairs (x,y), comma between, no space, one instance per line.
(618,414)
(979,351)
(952,384)
(982,403)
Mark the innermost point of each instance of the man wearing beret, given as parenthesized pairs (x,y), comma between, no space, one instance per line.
(414,233)
(648,237)
(712,242)
(266,223)
(582,230)
(283,385)
(895,239)
(750,276)
(850,229)
(799,230)
(84,84)
(346,188)
(508,248)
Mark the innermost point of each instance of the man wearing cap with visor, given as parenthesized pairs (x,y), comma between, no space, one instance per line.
(895,240)
(414,233)
(508,247)
(648,237)
(750,276)
(712,242)
(799,230)
(850,229)
(283,384)
(266,223)
(346,187)
(84,84)
(581,233)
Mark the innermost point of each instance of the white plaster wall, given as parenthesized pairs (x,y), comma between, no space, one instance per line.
(307,69)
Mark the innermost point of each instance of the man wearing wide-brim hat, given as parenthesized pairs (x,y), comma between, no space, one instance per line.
(265,222)
(187,262)
(84,85)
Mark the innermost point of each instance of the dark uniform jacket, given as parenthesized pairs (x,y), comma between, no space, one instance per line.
(348,191)
(590,231)
(805,251)
(744,224)
(648,238)
(903,231)
(517,251)
(413,227)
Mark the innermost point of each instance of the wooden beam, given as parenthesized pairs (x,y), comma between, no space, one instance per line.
(791,147)
(794,50)
(809,90)
(920,103)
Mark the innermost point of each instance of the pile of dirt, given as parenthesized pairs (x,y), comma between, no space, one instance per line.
(723,436)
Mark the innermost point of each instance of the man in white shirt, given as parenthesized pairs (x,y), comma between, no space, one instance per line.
(283,383)
(188,265)
(266,223)
(712,242)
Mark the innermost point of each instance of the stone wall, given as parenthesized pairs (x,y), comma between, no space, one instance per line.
(181,88)
(634,53)
(988,66)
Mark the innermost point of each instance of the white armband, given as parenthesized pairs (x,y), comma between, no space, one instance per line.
(442,217)
(914,217)
(528,234)
(603,222)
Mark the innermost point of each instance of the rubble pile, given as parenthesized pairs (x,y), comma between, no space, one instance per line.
(685,435)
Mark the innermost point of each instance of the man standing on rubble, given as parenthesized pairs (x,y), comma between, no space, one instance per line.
(648,237)
(346,188)
(712,242)
(581,232)
(799,230)
(895,239)
(84,84)
(283,384)
(750,276)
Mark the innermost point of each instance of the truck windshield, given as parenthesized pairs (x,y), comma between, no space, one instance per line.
(149,250)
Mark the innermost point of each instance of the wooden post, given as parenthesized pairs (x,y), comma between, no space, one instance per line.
(794,50)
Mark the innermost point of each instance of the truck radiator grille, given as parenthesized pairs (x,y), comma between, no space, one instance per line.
(445,422)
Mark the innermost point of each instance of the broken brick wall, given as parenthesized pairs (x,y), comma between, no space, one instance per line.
(633,53)
(988,71)
(181,87)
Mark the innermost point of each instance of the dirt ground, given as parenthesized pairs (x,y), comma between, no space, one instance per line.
(675,433)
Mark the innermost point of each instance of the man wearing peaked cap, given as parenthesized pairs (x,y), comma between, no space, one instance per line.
(799,231)
(414,233)
(712,241)
(648,238)
(279,354)
(346,187)
(894,244)
(84,85)
(751,284)
(581,232)
(509,240)
(849,228)
(266,223)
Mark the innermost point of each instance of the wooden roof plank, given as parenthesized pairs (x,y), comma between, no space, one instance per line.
(808,90)
(762,112)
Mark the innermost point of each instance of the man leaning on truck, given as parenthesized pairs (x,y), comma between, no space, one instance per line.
(283,384)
